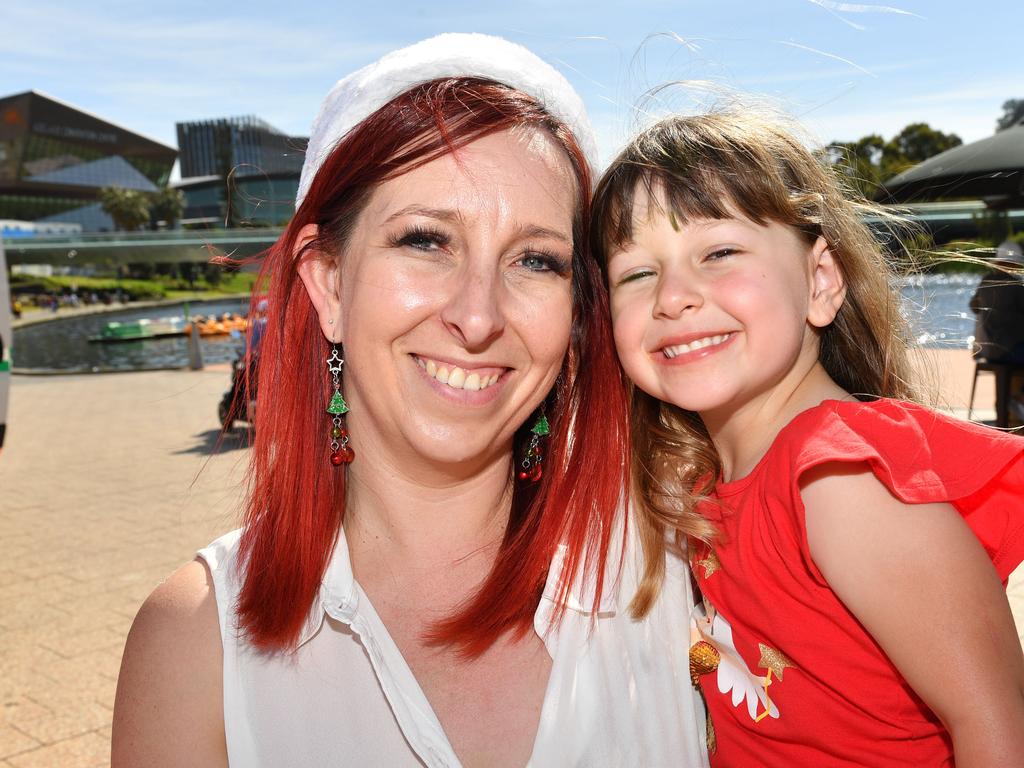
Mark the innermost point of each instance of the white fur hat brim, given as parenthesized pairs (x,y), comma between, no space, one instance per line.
(360,94)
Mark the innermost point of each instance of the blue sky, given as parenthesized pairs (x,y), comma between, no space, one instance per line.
(845,69)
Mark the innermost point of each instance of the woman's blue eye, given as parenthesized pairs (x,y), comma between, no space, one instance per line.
(544,262)
(423,240)
(536,262)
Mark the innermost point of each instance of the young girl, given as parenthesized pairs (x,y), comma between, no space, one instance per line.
(848,543)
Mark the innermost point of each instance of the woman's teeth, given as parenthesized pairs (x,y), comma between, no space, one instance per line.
(456,377)
(707,341)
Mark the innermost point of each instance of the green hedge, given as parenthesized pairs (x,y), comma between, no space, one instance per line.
(157,288)
(137,289)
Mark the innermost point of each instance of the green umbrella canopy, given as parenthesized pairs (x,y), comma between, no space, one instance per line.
(991,168)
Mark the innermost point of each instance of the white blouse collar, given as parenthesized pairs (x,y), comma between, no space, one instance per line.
(338,596)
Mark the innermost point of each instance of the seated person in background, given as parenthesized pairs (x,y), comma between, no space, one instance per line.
(999,305)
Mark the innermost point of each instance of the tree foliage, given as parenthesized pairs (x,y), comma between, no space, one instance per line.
(167,206)
(132,210)
(129,208)
(870,160)
(1013,113)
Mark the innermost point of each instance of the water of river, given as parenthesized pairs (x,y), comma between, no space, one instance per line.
(64,344)
(938,311)
(936,306)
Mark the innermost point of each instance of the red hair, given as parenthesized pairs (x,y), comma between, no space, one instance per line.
(296,500)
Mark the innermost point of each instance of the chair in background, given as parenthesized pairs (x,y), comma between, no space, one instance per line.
(1004,373)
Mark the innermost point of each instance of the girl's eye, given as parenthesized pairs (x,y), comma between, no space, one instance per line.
(422,239)
(635,275)
(536,261)
(720,254)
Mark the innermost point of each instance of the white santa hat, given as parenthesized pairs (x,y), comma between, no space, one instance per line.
(360,94)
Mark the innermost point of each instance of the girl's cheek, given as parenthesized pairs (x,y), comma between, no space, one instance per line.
(628,342)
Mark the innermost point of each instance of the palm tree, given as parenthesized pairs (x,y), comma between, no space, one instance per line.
(128,208)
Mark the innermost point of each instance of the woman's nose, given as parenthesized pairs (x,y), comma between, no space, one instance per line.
(676,294)
(473,312)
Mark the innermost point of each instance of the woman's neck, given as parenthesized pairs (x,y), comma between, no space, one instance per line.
(743,435)
(399,512)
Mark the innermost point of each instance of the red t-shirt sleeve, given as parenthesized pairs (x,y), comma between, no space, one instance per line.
(922,457)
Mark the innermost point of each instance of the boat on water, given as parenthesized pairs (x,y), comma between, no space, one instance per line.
(145,329)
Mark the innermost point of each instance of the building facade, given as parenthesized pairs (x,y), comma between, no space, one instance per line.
(242,146)
(238,171)
(55,159)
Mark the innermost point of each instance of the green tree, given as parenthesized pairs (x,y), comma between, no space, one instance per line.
(1013,113)
(166,206)
(915,144)
(859,162)
(128,208)
(870,160)
(213,274)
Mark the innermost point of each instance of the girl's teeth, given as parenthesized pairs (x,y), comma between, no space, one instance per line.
(442,374)
(696,344)
(472,382)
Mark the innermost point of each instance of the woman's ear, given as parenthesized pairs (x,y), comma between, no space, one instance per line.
(828,286)
(319,273)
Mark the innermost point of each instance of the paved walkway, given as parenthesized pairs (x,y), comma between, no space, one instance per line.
(107,484)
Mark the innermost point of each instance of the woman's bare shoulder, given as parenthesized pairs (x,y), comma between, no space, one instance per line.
(168,709)
(186,596)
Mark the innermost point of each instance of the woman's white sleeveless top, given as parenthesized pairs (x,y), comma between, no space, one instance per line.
(619,693)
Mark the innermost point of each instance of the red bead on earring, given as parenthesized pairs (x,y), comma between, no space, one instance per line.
(531,463)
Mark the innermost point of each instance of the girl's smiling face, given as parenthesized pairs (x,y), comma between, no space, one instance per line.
(712,314)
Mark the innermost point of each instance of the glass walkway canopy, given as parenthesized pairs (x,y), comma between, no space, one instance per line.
(112,248)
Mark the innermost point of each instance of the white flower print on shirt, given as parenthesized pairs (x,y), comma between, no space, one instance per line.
(733,674)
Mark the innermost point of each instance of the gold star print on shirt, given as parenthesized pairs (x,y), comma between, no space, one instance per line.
(773,660)
(710,563)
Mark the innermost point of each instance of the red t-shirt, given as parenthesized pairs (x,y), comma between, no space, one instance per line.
(834,698)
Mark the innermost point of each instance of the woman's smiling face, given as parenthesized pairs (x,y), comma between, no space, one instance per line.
(455,299)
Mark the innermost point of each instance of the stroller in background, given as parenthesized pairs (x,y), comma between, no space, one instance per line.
(239,402)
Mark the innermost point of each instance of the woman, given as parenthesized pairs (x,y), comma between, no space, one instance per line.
(426,584)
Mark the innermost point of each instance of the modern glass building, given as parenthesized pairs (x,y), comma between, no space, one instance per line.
(238,171)
(239,201)
(242,146)
(55,159)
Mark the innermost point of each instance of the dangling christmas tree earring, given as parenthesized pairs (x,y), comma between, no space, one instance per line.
(531,469)
(340,452)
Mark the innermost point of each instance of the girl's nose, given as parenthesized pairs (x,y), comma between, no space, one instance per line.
(676,294)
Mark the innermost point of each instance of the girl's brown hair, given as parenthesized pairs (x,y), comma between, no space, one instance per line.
(714,166)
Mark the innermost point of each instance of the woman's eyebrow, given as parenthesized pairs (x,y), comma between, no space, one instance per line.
(442,214)
(454,216)
(534,230)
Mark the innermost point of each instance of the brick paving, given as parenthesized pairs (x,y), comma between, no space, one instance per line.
(107,484)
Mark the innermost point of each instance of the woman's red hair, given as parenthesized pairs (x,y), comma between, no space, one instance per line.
(296,500)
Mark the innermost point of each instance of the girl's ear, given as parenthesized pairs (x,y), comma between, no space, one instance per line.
(319,273)
(828,286)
